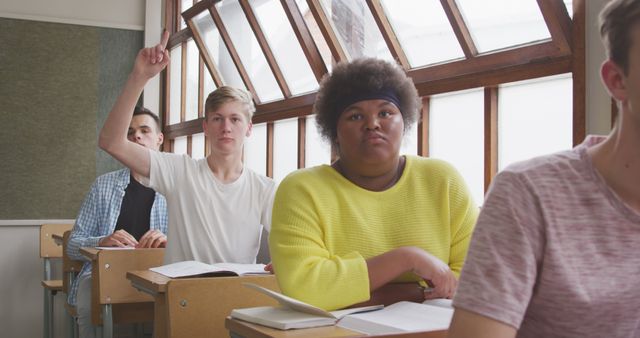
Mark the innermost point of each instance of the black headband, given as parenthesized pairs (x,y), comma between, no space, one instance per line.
(378,94)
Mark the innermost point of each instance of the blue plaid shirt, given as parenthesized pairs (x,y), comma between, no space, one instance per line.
(98,216)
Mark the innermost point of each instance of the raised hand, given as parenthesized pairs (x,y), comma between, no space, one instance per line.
(152,239)
(152,60)
(119,238)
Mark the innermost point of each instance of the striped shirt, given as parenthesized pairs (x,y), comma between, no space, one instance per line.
(98,216)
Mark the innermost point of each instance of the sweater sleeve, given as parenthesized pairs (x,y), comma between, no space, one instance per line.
(305,267)
(463,217)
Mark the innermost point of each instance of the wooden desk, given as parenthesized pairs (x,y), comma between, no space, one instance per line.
(113,299)
(238,328)
(197,307)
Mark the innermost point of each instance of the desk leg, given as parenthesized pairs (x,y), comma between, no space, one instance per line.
(160,321)
(47,328)
(107,321)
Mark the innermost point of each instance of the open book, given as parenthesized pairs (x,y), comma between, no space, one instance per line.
(199,269)
(292,313)
(400,317)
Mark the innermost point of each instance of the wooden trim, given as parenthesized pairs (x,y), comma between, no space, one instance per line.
(270,149)
(198,8)
(435,80)
(204,54)
(183,83)
(170,16)
(292,102)
(201,93)
(558,22)
(490,135)
(423,127)
(183,129)
(302,137)
(339,54)
(266,49)
(179,37)
(460,28)
(224,34)
(189,145)
(309,46)
(579,70)
(388,34)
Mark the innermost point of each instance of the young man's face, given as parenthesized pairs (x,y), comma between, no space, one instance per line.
(143,130)
(226,128)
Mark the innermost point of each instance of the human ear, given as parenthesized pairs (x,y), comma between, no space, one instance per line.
(249,129)
(614,80)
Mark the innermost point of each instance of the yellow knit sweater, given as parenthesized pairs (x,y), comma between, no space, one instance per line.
(324,227)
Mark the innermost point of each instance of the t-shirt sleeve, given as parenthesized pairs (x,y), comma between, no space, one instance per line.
(305,268)
(267,206)
(162,171)
(499,274)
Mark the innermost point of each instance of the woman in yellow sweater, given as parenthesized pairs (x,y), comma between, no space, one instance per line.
(374,225)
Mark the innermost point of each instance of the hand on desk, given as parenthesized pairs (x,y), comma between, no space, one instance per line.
(119,238)
(442,281)
(269,267)
(152,239)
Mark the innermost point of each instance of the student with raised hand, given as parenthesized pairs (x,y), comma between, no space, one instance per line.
(555,250)
(217,206)
(117,211)
(374,225)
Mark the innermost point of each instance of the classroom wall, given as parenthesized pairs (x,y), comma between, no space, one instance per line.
(20,290)
(62,66)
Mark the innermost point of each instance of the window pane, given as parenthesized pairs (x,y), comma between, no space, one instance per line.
(316,150)
(255,149)
(569,4)
(423,23)
(285,46)
(456,135)
(184,5)
(180,145)
(356,29)
(197,146)
(209,86)
(497,24)
(249,50)
(534,118)
(410,141)
(285,148)
(217,50)
(191,90)
(175,84)
(315,32)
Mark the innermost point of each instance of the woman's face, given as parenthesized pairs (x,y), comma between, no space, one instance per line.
(370,132)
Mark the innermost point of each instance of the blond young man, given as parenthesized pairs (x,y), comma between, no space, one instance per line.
(217,207)
(555,250)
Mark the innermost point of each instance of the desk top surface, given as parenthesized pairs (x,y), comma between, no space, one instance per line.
(149,280)
(250,330)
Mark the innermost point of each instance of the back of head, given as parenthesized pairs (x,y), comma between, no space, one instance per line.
(360,78)
(225,94)
(616,22)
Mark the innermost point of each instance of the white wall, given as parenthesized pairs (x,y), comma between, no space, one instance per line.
(21,312)
(125,14)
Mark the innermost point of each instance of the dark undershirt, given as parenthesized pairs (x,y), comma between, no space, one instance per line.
(135,212)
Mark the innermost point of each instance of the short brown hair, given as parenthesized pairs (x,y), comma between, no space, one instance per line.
(616,21)
(364,75)
(226,94)
(139,110)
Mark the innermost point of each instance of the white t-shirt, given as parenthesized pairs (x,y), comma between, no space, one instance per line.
(210,221)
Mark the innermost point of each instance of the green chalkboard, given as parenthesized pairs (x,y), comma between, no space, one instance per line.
(57,84)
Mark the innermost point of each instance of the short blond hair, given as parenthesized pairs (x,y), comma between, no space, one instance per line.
(226,94)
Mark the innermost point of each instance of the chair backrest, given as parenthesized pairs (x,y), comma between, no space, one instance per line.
(48,247)
(70,267)
(198,307)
